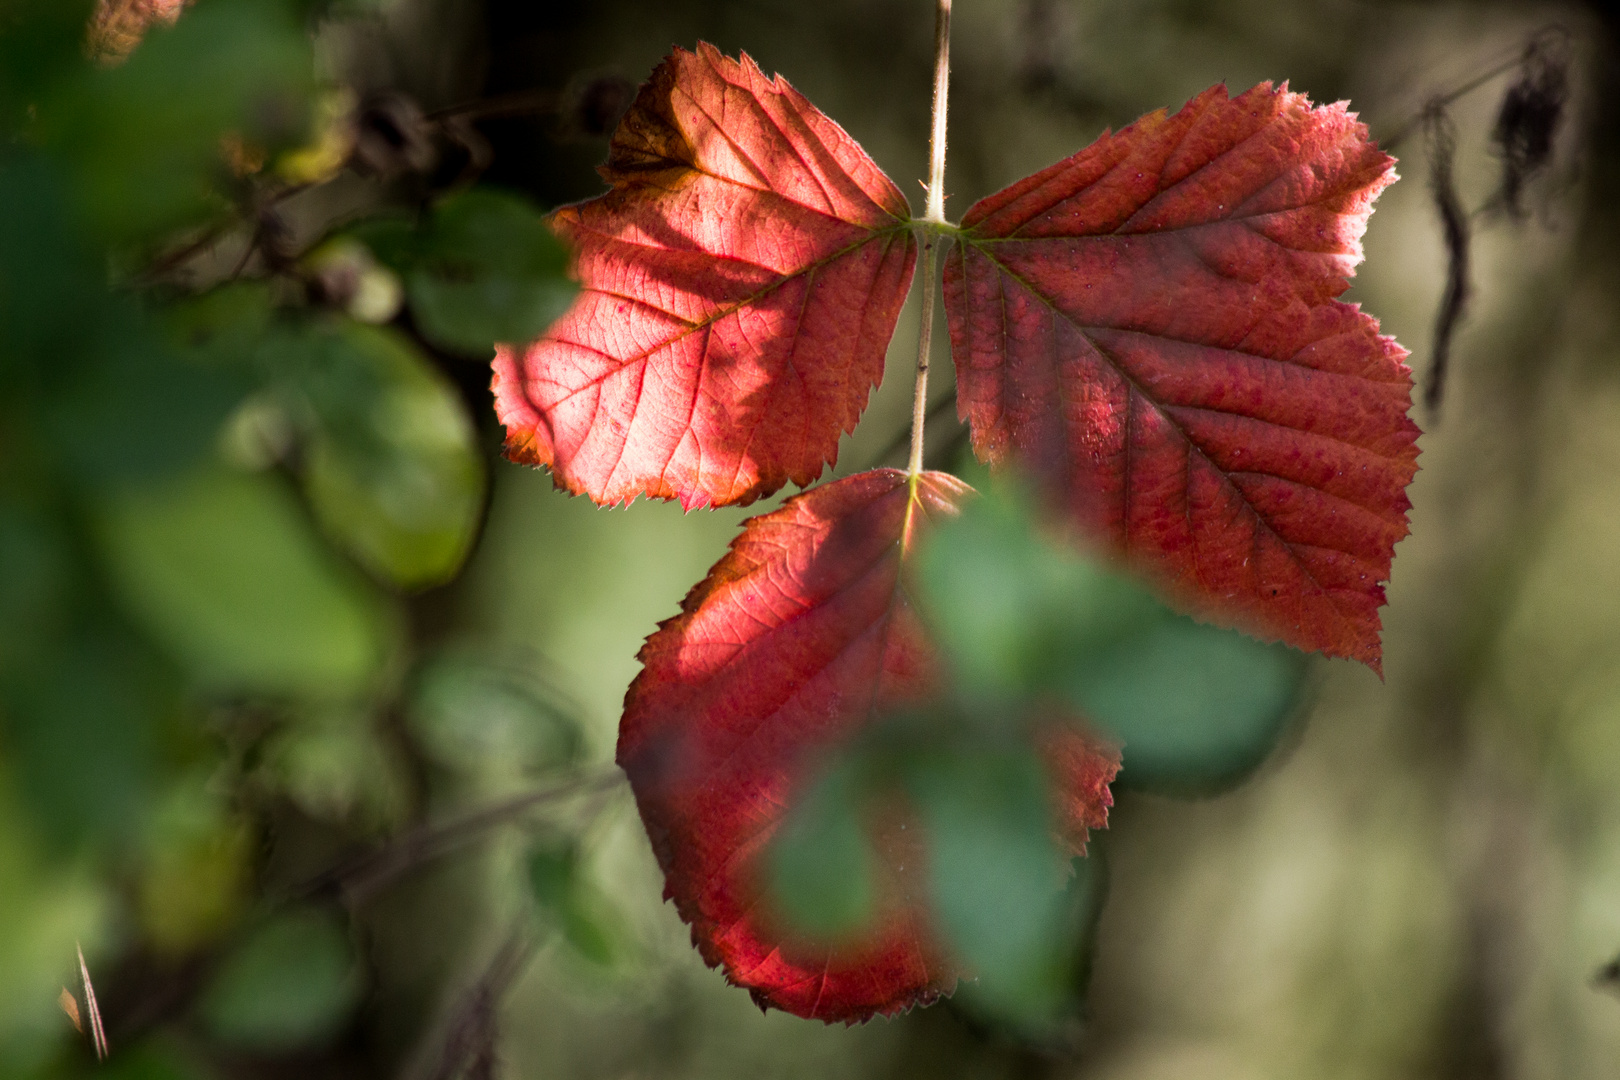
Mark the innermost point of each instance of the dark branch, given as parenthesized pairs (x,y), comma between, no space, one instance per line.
(472,1023)
(365,873)
(1441,137)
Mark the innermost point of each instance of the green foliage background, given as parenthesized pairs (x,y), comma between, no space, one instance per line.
(307,698)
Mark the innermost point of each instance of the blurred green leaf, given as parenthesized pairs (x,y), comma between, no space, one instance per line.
(44,911)
(80,731)
(35,568)
(97,379)
(140,412)
(476,715)
(566,898)
(43,40)
(222,327)
(551,874)
(146,136)
(393,471)
(333,762)
(1010,606)
(291,984)
(483,268)
(1085,897)
(224,570)
(820,859)
(995,874)
(154,1059)
(1195,707)
(51,286)
(195,869)
(1073,946)
(587,932)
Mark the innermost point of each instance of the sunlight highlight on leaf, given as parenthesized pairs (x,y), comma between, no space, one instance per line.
(740,285)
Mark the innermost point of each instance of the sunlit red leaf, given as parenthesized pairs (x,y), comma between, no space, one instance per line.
(1151,326)
(799,637)
(740,285)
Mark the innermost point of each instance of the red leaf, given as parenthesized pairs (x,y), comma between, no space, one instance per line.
(1151,327)
(741,283)
(798,638)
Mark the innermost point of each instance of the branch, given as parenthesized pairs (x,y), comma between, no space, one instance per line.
(470,1026)
(367,872)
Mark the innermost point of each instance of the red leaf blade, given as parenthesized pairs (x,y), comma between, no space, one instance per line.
(740,285)
(1150,326)
(799,637)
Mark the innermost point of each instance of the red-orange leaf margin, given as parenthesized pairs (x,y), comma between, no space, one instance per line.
(799,637)
(740,284)
(1151,328)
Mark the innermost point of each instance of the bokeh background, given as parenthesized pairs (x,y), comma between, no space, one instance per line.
(308,699)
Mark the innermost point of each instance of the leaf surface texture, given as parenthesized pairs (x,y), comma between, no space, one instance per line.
(740,284)
(1152,328)
(801,637)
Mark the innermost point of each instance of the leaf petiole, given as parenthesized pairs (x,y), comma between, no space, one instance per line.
(935,210)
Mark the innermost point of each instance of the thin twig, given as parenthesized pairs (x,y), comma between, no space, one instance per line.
(254,239)
(365,873)
(470,1028)
(173,260)
(516,103)
(184,253)
(933,215)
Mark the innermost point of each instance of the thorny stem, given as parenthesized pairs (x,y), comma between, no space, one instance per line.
(933,214)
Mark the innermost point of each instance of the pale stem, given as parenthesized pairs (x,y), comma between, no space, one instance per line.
(934,214)
(935,210)
(925,336)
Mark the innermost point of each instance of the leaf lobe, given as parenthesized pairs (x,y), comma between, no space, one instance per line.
(1151,326)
